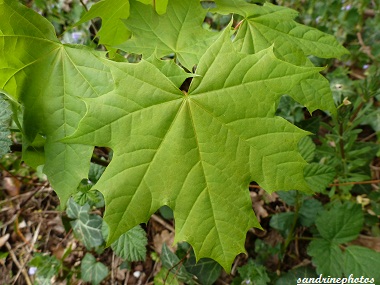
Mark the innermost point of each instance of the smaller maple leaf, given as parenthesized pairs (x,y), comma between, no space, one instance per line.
(177,32)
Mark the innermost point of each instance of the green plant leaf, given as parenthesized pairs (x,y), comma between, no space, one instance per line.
(327,257)
(159,5)
(362,261)
(194,151)
(174,72)
(48,80)
(131,246)
(206,270)
(180,165)
(93,271)
(319,176)
(282,222)
(307,148)
(293,275)
(171,262)
(252,273)
(5,117)
(342,223)
(267,25)
(47,267)
(179,31)
(163,277)
(270,24)
(308,212)
(87,195)
(87,227)
(289,197)
(112,12)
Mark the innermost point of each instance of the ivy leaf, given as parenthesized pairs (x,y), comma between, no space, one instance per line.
(87,227)
(5,117)
(327,256)
(196,152)
(172,263)
(48,79)
(179,31)
(93,271)
(206,270)
(131,245)
(360,261)
(113,31)
(293,275)
(164,277)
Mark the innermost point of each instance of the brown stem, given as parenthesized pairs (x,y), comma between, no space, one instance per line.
(355,183)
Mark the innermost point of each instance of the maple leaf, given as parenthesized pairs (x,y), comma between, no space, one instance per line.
(112,12)
(268,25)
(159,5)
(48,79)
(196,152)
(179,31)
(112,31)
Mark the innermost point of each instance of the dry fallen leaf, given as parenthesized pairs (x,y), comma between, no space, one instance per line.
(12,185)
(164,237)
(4,239)
(368,241)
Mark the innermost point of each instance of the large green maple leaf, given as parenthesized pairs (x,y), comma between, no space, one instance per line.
(47,78)
(197,152)
(177,32)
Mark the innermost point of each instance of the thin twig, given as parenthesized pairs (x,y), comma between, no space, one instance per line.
(112,268)
(366,49)
(162,222)
(91,21)
(355,183)
(235,265)
(175,265)
(19,266)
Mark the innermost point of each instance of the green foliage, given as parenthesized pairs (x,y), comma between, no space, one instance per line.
(5,116)
(179,31)
(171,262)
(206,270)
(359,260)
(93,271)
(47,267)
(337,226)
(113,31)
(87,227)
(341,224)
(252,273)
(194,150)
(292,276)
(131,246)
(201,142)
(304,213)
